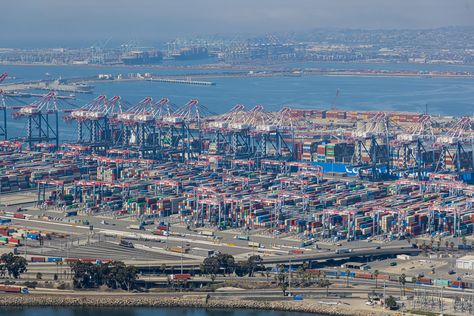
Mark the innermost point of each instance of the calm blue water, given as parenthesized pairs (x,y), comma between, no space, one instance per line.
(47,311)
(448,96)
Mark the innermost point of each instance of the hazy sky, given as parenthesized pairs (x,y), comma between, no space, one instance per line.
(32,22)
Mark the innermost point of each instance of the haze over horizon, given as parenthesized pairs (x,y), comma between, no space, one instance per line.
(65,22)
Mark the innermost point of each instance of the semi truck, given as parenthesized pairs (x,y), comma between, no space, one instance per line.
(13,289)
(242,237)
(207,233)
(254,244)
(343,250)
(135,227)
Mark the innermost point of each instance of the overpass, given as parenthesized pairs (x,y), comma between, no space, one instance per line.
(364,252)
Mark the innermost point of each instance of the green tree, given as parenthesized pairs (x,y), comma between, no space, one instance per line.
(210,265)
(254,264)
(241,268)
(226,262)
(119,276)
(390,302)
(13,265)
(87,275)
(115,275)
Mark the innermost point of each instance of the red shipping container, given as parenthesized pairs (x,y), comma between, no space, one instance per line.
(363,275)
(38,259)
(10,289)
(14,241)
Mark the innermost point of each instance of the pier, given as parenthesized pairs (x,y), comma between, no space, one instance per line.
(49,85)
(180,81)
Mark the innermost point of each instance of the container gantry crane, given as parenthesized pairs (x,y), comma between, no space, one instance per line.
(42,121)
(3,76)
(415,149)
(3,118)
(372,148)
(96,123)
(183,130)
(455,156)
(139,128)
(227,139)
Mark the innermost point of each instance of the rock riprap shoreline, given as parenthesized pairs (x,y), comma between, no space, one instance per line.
(195,301)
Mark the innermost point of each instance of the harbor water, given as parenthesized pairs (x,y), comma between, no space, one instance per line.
(444,96)
(135,311)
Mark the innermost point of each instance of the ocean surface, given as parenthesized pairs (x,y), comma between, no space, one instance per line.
(446,96)
(73,311)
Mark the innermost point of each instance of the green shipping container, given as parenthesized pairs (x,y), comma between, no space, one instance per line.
(441,282)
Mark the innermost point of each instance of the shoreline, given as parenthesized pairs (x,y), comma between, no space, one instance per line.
(187,301)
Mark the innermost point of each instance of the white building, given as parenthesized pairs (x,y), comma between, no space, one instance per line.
(466,262)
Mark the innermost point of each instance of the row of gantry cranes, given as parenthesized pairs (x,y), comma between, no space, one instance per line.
(159,130)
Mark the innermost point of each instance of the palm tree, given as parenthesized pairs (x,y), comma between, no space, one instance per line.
(318,275)
(163,269)
(325,283)
(376,274)
(402,281)
(300,273)
(347,277)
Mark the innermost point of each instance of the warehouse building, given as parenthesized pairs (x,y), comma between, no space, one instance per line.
(466,262)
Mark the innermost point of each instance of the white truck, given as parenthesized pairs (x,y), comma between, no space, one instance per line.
(254,244)
(207,233)
(135,227)
(343,250)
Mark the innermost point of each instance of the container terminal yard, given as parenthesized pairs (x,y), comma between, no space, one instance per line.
(155,184)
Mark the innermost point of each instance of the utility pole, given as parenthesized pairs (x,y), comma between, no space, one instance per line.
(384,298)
(442,306)
(289,277)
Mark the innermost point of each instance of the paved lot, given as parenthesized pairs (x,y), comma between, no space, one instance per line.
(107,250)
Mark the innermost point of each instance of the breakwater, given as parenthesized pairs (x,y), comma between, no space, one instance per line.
(192,301)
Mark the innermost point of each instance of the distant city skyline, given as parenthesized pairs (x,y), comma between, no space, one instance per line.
(63,22)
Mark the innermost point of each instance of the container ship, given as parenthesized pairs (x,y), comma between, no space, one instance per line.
(191,53)
(142,58)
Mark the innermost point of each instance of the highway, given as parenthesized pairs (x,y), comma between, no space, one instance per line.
(227,244)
